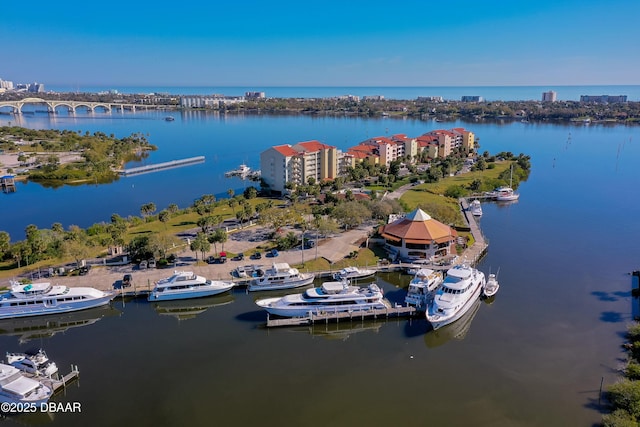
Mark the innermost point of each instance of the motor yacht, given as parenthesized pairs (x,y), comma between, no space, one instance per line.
(33,362)
(491,287)
(461,287)
(35,299)
(331,297)
(15,387)
(353,273)
(280,276)
(186,284)
(475,207)
(422,288)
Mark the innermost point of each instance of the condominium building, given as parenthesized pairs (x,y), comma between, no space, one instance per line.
(549,96)
(604,99)
(296,164)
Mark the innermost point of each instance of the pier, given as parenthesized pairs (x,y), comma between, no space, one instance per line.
(161,166)
(324,316)
(8,183)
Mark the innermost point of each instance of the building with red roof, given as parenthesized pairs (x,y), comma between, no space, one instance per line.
(417,236)
(296,164)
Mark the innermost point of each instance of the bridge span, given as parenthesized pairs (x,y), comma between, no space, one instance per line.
(72,106)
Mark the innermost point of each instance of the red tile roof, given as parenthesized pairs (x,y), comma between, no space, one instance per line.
(286,150)
(313,146)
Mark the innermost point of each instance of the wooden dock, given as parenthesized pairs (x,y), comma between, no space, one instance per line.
(398,311)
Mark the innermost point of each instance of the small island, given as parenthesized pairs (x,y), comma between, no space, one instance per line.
(58,157)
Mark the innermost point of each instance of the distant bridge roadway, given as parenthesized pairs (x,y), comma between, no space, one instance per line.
(72,106)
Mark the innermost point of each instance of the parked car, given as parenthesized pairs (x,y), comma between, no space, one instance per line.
(256,255)
(126,280)
(238,257)
(151,263)
(84,270)
(273,253)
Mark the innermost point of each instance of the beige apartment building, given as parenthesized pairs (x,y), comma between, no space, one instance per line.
(296,164)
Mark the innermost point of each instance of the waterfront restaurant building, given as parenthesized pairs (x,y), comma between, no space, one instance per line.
(418,237)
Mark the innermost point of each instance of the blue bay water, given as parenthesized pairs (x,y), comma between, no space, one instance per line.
(534,357)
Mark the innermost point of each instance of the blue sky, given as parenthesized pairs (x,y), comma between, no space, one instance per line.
(328,43)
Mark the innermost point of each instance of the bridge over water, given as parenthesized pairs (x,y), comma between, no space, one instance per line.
(72,106)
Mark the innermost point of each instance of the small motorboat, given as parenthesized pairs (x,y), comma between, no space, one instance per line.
(491,287)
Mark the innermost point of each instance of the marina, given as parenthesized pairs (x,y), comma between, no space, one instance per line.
(510,352)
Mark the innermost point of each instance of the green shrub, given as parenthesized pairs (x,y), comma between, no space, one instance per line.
(619,418)
(626,395)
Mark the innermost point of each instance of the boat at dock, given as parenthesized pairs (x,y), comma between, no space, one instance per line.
(243,171)
(475,207)
(16,387)
(422,288)
(353,273)
(247,271)
(280,276)
(34,362)
(331,297)
(186,284)
(506,194)
(491,287)
(37,299)
(461,287)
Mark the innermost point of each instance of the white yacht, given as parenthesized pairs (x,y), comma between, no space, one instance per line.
(422,288)
(506,194)
(17,388)
(33,362)
(331,297)
(280,276)
(460,289)
(353,273)
(475,207)
(491,287)
(186,284)
(35,299)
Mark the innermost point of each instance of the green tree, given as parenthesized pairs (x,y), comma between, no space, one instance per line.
(164,217)
(148,209)
(5,244)
(250,193)
(200,244)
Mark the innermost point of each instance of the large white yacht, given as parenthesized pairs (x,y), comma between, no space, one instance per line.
(280,276)
(353,273)
(422,288)
(16,388)
(35,299)
(460,289)
(186,284)
(331,297)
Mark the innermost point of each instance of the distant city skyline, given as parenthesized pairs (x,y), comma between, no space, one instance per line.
(286,43)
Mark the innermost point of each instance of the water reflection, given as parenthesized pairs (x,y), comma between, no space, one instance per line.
(31,328)
(340,330)
(456,330)
(190,308)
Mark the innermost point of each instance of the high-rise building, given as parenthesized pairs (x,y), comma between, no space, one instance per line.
(549,96)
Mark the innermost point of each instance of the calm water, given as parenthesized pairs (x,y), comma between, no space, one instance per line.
(534,357)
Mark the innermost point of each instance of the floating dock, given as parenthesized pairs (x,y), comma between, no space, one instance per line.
(161,166)
(397,311)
